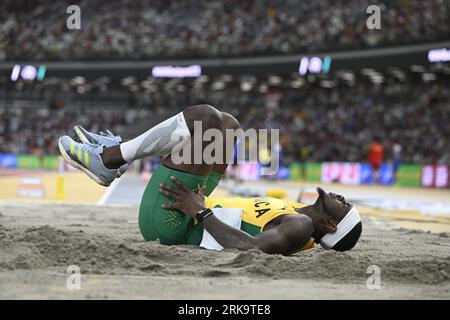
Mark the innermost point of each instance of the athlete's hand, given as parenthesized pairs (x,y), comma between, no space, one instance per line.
(184,199)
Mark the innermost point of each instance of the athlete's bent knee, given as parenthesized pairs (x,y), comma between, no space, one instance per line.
(230,122)
(207,114)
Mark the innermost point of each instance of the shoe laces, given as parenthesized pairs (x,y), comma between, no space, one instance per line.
(109,135)
(91,148)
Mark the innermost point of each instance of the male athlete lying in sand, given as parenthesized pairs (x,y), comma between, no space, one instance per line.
(176,206)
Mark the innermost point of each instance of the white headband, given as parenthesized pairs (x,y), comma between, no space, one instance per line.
(350,220)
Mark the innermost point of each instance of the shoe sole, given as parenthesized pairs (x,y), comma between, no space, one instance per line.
(78,166)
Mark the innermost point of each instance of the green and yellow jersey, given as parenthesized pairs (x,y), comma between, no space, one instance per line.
(257,212)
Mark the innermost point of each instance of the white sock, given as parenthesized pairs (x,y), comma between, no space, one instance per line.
(159,140)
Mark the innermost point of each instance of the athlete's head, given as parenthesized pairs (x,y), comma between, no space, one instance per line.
(337,224)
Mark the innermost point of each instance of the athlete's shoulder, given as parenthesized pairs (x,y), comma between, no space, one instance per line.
(296,204)
(298,223)
(297,230)
(298,218)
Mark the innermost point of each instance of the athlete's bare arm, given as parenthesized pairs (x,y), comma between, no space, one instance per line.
(290,234)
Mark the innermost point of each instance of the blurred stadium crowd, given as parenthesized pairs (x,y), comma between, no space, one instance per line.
(136,29)
(318,121)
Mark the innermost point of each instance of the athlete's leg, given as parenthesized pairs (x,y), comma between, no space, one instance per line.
(210,118)
(161,139)
(101,164)
(169,226)
(218,171)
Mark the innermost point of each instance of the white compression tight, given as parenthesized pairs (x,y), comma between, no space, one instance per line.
(159,140)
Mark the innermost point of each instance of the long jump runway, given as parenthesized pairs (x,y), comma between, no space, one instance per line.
(127,190)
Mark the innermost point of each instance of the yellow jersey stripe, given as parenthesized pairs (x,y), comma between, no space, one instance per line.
(86,158)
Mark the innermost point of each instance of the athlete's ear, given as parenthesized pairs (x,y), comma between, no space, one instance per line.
(330,225)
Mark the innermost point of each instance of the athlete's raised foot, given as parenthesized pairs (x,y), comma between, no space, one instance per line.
(107,139)
(87,158)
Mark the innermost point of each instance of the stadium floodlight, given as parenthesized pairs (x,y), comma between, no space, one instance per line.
(314,65)
(303,68)
(176,72)
(439,55)
(28,72)
(41,73)
(15,73)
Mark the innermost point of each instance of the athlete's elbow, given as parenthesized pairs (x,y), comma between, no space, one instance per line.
(269,247)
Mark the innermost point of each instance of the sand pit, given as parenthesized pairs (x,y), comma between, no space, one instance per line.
(38,241)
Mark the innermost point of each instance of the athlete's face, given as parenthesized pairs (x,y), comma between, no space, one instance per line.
(336,205)
(334,208)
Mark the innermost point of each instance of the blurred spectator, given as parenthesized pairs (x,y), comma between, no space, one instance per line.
(376,155)
(396,156)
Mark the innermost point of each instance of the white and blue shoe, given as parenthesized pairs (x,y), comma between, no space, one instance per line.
(107,139)
(87,158)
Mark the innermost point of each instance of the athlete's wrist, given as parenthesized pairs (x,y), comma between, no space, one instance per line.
(202,214)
